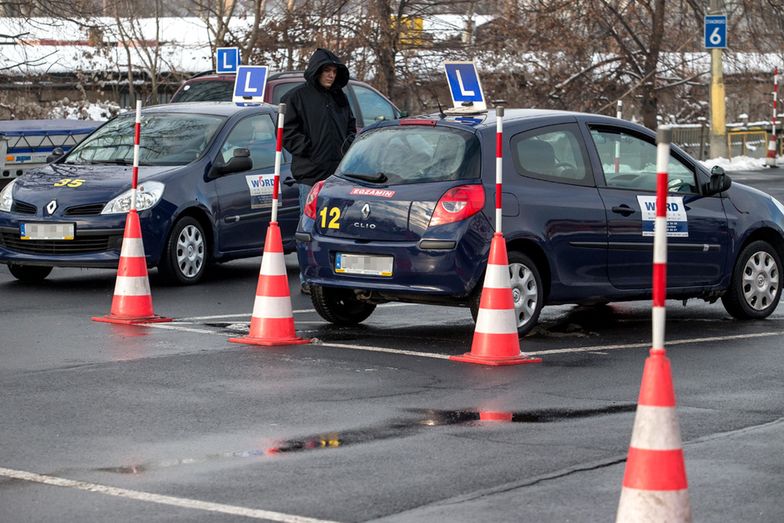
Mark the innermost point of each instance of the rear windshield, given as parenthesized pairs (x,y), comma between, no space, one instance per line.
(413,154)
(205,91)
(166,139)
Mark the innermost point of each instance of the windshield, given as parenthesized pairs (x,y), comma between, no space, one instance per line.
(205,91)
(166,139)
(412,154)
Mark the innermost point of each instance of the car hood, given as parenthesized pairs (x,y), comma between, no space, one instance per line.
(749,200)
(80,184)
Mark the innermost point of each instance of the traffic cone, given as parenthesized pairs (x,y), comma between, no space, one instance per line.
(272,322)
(770,161)
(495,337)
(132,302)
(654,485)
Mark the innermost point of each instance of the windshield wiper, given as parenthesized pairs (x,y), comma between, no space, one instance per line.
(115,161)
(378,177)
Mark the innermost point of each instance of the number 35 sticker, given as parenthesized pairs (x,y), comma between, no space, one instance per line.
(69,182)
(334,216)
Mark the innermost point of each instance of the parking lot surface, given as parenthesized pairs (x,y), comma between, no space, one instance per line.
(171,422)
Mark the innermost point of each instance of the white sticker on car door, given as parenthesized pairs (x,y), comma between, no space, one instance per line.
(260,188)
(677,221)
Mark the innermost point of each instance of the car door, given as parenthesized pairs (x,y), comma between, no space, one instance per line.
(245,198)
(552,196)
(698,236)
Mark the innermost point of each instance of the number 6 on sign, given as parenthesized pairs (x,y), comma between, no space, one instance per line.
(715,32)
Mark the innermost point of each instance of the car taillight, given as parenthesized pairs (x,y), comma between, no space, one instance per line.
(458,203)
(310,202)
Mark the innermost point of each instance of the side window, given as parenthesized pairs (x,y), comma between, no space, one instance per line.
(257,134)
(372,105)
(629,162)
(552,153)
(283,88)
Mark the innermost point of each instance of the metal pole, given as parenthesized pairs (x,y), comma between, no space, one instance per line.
(137,132)
(770,160)
(619,115)
(718,142)
(499,134)
(278,159)
(663,139)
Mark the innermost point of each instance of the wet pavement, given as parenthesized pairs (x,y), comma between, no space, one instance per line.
(173,423)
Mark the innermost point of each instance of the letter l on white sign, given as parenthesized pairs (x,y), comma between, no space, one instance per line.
(248,88)
(460,84)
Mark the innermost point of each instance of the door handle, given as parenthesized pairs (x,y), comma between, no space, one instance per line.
(624,210)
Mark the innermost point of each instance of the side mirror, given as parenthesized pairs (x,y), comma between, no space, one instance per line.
(240,161)
(403,114)
(57,153)
(719,181)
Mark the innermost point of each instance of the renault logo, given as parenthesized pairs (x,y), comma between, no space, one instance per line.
(365,211)
(51,206)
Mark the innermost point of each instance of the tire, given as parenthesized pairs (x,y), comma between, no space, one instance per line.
(339,306)
(185,256)
(527,292)
(755,288)
(29,273)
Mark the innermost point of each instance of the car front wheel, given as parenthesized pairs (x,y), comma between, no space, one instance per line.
(527,292)
(29,273)
(755,288)
(184,257)
(339,306)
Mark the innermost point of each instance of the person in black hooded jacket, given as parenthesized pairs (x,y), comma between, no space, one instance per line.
(318,126)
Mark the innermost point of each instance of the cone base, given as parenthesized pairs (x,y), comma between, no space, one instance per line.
(131,321)
(270,342)
(496,362)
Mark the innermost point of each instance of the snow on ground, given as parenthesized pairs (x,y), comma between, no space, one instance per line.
(740,163)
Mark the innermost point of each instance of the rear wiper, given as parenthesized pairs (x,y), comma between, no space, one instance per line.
(378,177)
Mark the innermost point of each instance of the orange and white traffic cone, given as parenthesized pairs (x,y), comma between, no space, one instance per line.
(132,302)
(496,341)
(272,321)
(654,485)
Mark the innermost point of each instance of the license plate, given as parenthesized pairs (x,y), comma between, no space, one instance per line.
(363,264)
(46,231)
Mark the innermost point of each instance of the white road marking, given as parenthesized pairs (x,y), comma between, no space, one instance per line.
(157,498)
(667,343)
(595,349)
(383,349)
(300,311)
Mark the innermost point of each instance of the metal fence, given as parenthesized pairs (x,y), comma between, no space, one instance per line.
(742,140)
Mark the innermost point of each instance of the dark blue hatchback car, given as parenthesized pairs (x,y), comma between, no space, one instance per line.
(205,193)
(408,216)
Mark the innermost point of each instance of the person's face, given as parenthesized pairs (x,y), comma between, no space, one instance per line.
(327,76)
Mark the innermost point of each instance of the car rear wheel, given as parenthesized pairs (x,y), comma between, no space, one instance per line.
(184,257)
(339,306)
(29,273)
(755,289)
(527,292)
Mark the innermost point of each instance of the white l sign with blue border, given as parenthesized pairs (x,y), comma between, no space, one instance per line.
(464,85)
(227,59)
(715,32)
(249,84)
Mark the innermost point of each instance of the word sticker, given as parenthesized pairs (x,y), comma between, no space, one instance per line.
(361,191)
(260,187)
(677,221)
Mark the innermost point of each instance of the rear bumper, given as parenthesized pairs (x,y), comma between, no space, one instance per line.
(426,270)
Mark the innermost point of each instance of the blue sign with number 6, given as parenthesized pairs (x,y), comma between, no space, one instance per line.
(715,32)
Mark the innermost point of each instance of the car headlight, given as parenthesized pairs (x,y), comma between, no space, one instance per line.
(147,195)
(6,197)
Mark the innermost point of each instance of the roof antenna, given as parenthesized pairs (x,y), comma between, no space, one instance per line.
(440,109)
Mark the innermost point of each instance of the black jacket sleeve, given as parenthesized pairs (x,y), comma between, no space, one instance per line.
(295,140)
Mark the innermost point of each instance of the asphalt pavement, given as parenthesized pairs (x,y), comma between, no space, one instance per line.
(171,422)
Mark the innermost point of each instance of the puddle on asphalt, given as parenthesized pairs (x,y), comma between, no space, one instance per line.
(395,429)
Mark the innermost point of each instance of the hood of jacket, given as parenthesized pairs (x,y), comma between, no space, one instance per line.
(320,58)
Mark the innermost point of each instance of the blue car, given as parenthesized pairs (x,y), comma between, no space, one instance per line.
(204,194)
(409,217)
